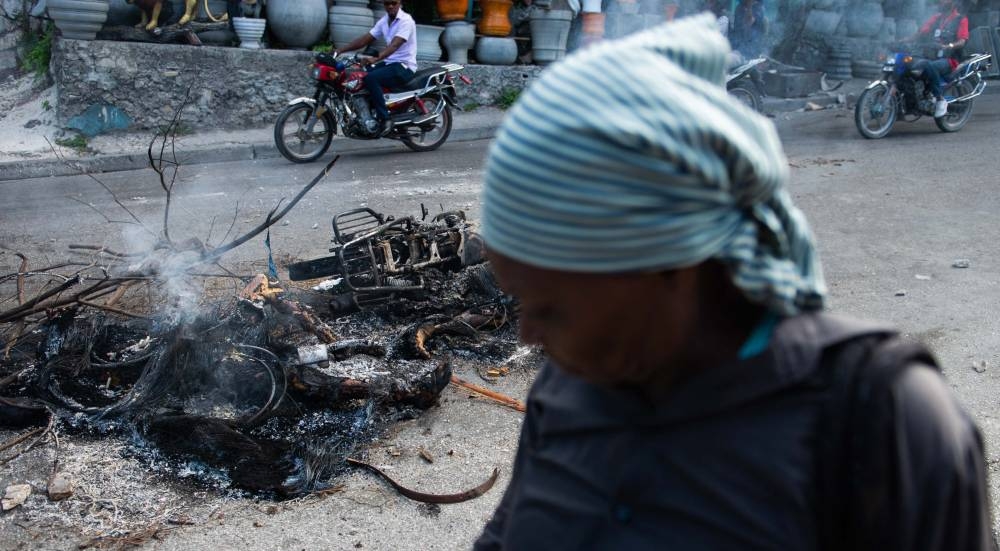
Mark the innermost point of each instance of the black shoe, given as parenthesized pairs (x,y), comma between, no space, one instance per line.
(386,128)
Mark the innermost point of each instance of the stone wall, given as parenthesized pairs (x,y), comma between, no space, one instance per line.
(229,87)
(10,37)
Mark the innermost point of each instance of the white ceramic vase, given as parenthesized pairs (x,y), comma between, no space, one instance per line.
(496,50)
(458,38)
(348,21)
(429,42)
(297,23)
(250,31)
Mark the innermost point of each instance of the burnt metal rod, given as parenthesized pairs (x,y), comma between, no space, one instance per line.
(431,498)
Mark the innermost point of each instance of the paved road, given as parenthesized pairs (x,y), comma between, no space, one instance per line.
(891,215)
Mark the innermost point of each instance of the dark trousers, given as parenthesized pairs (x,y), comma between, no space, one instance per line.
(385,75)
(933,70)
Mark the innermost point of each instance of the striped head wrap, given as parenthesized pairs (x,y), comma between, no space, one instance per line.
(629,156)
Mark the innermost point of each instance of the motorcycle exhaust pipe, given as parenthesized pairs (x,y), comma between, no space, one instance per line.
(424,118)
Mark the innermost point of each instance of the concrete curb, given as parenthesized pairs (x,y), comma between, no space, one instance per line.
(46,168)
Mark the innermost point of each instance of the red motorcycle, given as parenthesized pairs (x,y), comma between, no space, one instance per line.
(420,111)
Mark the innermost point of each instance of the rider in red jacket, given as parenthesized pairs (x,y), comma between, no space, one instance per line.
(948,30)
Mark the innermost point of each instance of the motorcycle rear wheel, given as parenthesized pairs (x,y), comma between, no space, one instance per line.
(430,135)
(873,119)
(958,112)
(294,142)
(746,93)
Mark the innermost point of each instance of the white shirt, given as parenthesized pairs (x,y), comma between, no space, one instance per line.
(404,27)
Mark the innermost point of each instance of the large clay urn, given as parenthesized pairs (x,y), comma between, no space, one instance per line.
(496,17)
(452,10)
(297,23)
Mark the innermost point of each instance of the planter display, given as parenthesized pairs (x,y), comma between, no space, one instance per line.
(495,50)
(458,38)
(549,31)
(79,19)
(297,23)
(428,42)
(250,31)
(452,10)
(348,21)
(496,17)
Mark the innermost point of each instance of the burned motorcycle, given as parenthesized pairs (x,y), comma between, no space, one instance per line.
(420,111)
(377,258)
(745,83)
(903,94)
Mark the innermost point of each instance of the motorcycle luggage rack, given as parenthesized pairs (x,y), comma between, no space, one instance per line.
(347,224)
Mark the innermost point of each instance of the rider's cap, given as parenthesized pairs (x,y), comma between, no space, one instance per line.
(630,156)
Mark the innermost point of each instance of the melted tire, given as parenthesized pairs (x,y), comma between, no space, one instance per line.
(296,115)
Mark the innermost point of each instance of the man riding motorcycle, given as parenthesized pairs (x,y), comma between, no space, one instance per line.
(394,65)
(948,31)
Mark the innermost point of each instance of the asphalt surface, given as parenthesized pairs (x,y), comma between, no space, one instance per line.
(891,216)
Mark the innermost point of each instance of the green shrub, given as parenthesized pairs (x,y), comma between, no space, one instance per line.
(471,106)
(507,97)
(38,51)
(77,142)
(323,48)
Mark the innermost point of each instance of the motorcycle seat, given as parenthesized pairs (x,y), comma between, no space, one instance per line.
(419,79)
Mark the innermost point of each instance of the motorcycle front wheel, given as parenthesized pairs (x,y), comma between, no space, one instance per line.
(958,112)
(431,134)
(295,141)
(746,93)
(873,115)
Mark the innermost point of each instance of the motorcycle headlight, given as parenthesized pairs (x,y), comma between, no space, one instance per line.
(316,72)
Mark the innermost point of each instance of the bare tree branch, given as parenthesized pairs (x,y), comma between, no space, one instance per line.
(271,216)
(114,197)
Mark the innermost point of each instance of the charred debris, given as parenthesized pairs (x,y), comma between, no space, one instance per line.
(269,385)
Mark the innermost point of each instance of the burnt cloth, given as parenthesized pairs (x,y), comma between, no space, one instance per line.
(729,460)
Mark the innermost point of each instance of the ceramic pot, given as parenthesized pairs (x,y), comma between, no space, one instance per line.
(495,50)
(592,27)
(297,23)
(428,42)
(458,38)
(349,21)
(79,19)
(549,31)
(250,31)
(451,10)
(121,12)
(496,17)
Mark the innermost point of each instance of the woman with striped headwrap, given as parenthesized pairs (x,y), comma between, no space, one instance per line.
(698,397)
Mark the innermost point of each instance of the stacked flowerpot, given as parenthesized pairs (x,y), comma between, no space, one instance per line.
(297,23)
(549,32)
(429,42)
(495,47)
(349,19)
(838,64)
(79,19)
(458,35)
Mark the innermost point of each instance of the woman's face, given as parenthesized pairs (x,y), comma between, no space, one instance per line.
(607,329)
